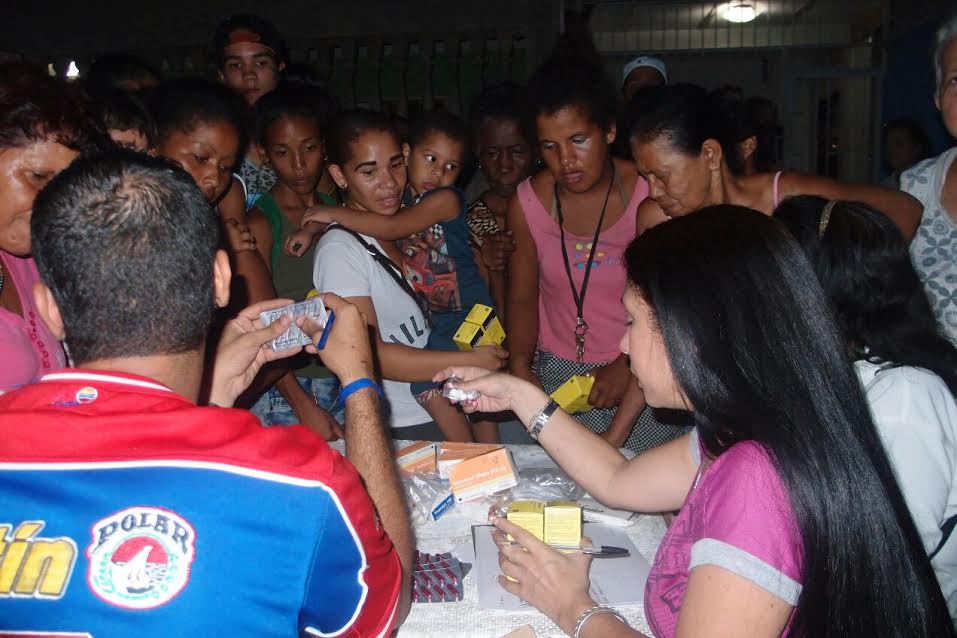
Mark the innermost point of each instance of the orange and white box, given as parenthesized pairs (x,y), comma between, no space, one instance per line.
(485,474)
(453,453)
(418,458)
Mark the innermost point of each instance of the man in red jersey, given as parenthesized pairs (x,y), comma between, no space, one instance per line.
(126,508)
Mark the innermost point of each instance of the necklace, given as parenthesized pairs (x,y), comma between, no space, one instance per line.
(1,277)
(581,326)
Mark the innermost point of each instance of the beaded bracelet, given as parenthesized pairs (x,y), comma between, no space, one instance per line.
(352,388)
(592,611)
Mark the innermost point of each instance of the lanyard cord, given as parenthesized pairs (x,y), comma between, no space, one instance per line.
(581,328)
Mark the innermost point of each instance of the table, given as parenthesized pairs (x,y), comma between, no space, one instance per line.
(464,619)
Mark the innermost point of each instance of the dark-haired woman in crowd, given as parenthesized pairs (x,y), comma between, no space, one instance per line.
(683,144)
(288,129)
(503,145)
(907,368)
(791,521)
(571,224)
(44,125)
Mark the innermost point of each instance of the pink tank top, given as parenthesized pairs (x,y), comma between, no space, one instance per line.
(603,311)
(27,348)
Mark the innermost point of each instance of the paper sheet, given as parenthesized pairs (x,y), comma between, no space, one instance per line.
(614,581)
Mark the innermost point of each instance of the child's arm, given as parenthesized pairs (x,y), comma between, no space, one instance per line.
(440,207)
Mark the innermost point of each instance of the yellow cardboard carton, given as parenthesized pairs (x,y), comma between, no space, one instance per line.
(529,515)
(563,523)
(572,395)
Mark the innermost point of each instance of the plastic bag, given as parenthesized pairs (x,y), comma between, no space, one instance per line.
(428,498)
(534,484)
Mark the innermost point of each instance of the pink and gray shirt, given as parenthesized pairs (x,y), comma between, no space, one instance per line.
(736,516)
(27,348)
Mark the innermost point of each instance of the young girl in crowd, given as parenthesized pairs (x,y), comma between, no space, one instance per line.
(201,126)
(908,369)
(433,240)
(684,145)
(504,149)
(368,164)
(288,130)
(791,521)
(571,224)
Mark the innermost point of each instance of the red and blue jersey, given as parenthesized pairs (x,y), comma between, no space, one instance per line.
(127,510)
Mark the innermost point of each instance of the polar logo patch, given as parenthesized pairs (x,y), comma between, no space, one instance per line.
(140,557)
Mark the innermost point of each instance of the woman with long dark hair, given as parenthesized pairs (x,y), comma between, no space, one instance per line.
(907,367)
(791,522)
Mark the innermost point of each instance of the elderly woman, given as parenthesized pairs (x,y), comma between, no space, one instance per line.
(934,183)
(43,126)
(683,144)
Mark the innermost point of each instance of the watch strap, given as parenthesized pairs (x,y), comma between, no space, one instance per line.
(538,422)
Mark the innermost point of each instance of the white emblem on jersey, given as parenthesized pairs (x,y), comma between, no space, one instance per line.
(140,558)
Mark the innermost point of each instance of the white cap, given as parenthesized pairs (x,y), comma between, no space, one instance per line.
(645,60)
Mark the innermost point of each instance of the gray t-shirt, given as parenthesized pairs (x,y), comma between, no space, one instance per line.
(934,249)
(344,267)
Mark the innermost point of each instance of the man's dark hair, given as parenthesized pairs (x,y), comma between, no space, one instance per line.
(439,121)
(125,242)
(121,111)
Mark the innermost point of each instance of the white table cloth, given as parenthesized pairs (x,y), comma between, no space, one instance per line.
(464,619)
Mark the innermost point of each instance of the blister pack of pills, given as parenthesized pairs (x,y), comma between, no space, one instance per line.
(313,309)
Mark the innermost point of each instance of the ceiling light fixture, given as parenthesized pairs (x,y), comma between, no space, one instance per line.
(739,12)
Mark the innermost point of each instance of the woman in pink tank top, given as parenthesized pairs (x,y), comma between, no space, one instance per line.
(685,147)
(572,224)
(43,126)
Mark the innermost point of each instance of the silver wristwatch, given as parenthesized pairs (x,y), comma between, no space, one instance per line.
(541,417)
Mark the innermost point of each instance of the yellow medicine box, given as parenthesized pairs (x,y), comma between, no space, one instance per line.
(572,395)
(480,328)
(529,515)
(563,523)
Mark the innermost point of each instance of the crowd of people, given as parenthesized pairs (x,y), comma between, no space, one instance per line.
(776,350)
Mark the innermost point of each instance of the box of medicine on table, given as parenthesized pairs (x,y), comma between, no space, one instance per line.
(563,523)
(482,475)
(529,515)
(452,453)
(572,395)
(480,328)
(417,458)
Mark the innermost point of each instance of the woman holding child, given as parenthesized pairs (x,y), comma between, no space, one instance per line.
(369,166)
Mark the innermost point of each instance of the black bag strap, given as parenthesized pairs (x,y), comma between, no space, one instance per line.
(946,529)
(390,267)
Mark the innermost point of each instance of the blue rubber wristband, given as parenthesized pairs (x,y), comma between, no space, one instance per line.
(352,388)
